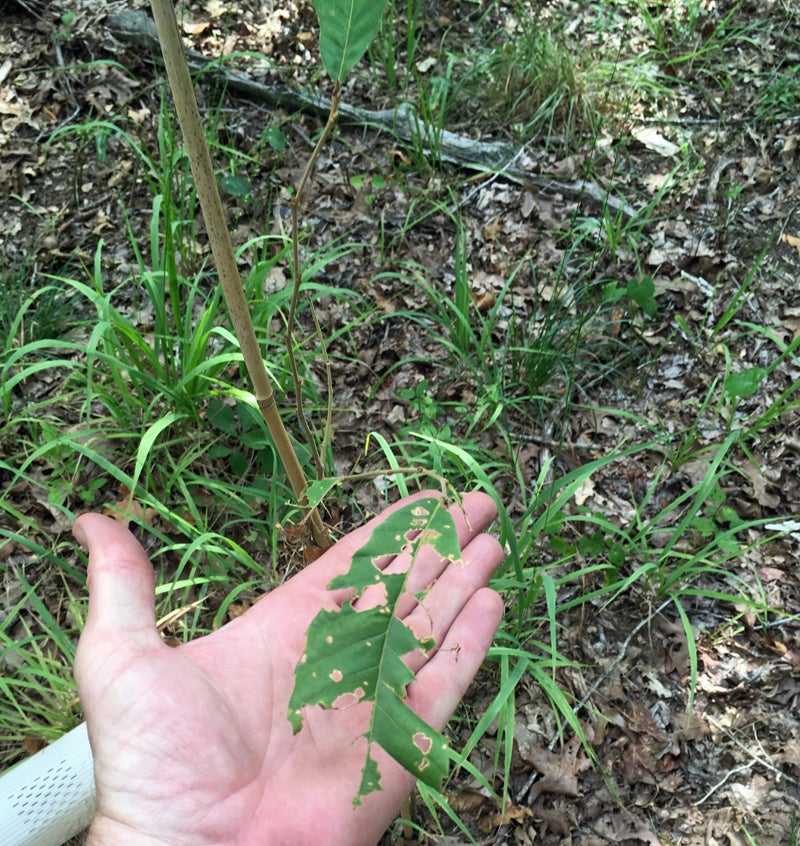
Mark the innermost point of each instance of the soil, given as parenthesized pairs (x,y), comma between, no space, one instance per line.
(665,761)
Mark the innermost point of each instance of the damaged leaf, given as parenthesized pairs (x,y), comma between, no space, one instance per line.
(355,655)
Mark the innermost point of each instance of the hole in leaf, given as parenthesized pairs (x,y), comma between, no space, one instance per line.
(348,700)
(423,742)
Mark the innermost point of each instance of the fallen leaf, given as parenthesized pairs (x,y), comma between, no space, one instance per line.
(628,827)
(483,302)
(791,240)
(655,141)
(558,774)
(128,510)
(512,813)
(492,230)
(467,801)
(424,65)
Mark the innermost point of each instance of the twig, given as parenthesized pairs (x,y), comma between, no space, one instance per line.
(297,280)
(721,782)
(756,758)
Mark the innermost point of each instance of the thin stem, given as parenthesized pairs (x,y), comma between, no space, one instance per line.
(297,278)
(183,94)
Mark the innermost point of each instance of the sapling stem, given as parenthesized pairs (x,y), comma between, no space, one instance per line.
(297,279)
(180,82)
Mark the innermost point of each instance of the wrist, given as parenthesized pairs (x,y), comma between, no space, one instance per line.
(106,832)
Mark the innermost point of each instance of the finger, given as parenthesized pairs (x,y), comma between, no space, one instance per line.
(120,581)
(436,612)
(441,684)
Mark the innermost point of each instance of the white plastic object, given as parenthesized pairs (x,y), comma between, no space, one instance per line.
(49,798)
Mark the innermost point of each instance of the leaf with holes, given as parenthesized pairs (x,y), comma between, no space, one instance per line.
(357,655)
(346,29)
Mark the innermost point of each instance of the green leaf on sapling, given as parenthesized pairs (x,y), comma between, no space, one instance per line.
(356,655)
(346,29)
(319,489)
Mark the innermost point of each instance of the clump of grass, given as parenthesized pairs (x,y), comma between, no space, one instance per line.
(779,99)
(538,87)
(37,652)
(33,309)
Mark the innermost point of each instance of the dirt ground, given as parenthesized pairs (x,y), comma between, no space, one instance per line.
(725,771)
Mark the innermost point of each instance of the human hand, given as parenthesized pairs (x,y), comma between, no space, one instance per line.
(192,745)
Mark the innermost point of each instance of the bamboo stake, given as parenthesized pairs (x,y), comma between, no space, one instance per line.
(183,94)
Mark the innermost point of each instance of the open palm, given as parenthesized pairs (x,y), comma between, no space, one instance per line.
(192,745)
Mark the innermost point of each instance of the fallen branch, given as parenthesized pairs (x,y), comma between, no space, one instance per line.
(403,122)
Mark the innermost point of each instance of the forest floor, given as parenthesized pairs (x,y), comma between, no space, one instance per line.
(713,176)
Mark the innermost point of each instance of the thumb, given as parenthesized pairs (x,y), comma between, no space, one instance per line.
(120,581)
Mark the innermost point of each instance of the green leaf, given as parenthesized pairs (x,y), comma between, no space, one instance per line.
(592,546)
(744,384)
(143,453)
(346,29)
(642,292)
(276,138)
(612,292)
(356,655)
(318,490)
(616,555)
(220,416)
(705,526)
(236,185)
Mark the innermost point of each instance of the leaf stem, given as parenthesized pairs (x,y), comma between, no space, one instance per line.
(297,279)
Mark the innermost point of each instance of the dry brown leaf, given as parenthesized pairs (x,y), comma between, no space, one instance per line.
(672,782)
(311,553)
(126,511)
(492,230)
(32,744)
(628,827)
(6,548)
(512,813)
(759,483)
(791,240)
(638,764)
(655,141)
(640,721)
(467,801)
(195,28)
(555,819)
(483,302)
(558,772)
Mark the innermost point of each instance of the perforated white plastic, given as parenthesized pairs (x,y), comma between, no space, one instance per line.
(49,798)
